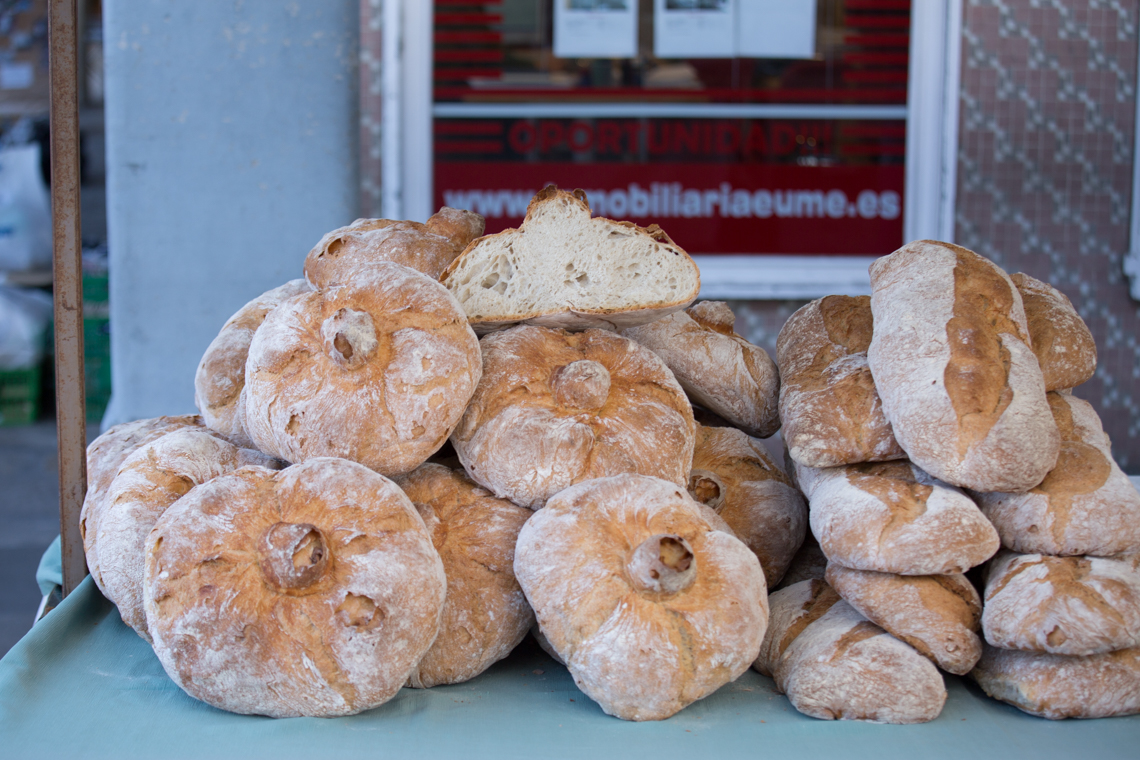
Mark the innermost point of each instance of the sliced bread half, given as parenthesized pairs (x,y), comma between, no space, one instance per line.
(562,268)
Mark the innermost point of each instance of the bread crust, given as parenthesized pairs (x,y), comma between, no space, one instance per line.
(953,366)
(312,591)
(641,653)
(532,430)
(1062,605)
(1085,505)
(486,614)
(1062,342)
(378,372)
(503,279)
(830,410)
(1055,686)
(347,252)
(891,517)
(735,477)
(220,377)
(104,457)
(834,664)
(938,615)
(148,482)
(717,368)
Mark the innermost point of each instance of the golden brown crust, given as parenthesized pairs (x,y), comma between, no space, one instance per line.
(221,372)
(486,614)
(347,252)
(310,591)
(377,372)
(642,644)
(1062,342)
(1062,605)
(717,368)
(555,408)
(829,407)
(734,476)
(938,615)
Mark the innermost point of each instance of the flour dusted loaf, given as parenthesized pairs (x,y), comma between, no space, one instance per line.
(310,591)
(648,603)
(1085,505)
(938,615)
(377,372)
(1064,347)
(563,269)
(834,664)
(104,456)
(221,372)
(555,408)
(735,477)
(347,252)
(830,410)
(150,480)
(891,517)
(717,368)
(953,366)
(1055,686)
(486,614)
(1062,605)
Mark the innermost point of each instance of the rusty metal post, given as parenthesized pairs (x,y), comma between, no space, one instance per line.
(67,268)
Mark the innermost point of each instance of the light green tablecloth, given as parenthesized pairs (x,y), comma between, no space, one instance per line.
(82,684)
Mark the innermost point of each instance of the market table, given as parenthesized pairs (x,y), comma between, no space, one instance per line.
(83,684)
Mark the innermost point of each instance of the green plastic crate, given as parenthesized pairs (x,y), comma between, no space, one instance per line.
(19,396)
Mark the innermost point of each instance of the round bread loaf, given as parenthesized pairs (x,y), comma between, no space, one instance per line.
(310,591)
(1085,505)
(149,481)
(834,664)
(953,366)
(104,456)
(717,368)
(1061,340)
(648,603)
(735,477)
(347,252)
(221,373)
(891,517)
(377,372)
(555,408)
(938,615)
(830,410)
(1055,686)
(486,614)
(1062,605)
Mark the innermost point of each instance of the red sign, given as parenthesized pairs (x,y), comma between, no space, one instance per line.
(705,207)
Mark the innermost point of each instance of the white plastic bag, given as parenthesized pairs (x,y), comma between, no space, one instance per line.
(24,315)
(25,210)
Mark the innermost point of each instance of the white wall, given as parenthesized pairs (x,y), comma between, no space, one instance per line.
(231,148)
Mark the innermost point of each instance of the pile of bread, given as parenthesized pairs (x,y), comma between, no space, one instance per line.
(374,497)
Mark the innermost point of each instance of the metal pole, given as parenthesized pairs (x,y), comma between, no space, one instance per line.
(67,267)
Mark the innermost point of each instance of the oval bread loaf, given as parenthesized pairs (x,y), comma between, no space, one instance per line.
(1062,605)
(648,603)
(953,366)
(312,591)
(377,372)
(555,408)
(830,410)
(717,368)
(220,378)
(1064,347)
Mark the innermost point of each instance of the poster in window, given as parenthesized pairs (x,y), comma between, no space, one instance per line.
(694,28)
(776,29)
(595,28)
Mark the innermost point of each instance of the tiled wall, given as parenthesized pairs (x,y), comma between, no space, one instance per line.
(1045,152)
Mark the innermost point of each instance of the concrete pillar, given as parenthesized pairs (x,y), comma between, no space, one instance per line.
(231,148)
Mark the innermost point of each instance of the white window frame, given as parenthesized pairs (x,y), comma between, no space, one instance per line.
(931,114)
